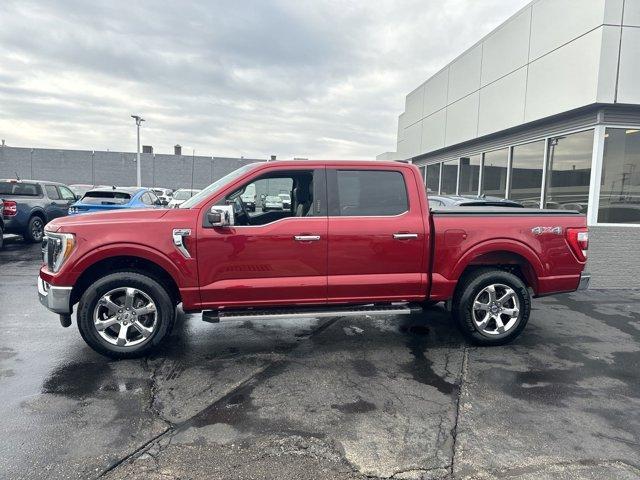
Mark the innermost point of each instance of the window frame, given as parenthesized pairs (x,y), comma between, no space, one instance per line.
(333,195)
(61,188)
(320,188)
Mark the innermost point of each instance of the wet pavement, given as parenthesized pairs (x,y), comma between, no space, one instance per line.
(384,397)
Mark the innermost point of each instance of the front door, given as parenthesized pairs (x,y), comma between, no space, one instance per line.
(274,257)
(378,236)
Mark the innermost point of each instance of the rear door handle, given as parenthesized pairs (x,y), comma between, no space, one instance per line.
(306,238)
(405,236)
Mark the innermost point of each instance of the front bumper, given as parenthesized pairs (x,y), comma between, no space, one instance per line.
(585,278)
(56,299)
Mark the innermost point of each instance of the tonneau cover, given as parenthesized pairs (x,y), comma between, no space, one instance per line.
(499,211)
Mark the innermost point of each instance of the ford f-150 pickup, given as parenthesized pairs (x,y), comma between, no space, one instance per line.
(359,239)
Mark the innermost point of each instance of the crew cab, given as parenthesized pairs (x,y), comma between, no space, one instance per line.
(359,239)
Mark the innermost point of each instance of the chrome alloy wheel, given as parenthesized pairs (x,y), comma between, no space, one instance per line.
(496,309)
(125,317)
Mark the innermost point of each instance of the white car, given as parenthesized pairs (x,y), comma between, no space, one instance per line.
(181,195)
(286,201)
(163,194)
(271,202)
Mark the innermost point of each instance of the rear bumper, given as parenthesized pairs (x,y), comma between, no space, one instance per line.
(13,225)
(56,299)
(585,278)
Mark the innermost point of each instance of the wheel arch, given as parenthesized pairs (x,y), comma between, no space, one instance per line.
(95,266)
(506,255)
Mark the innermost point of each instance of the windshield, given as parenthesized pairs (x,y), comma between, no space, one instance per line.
(184,194)
(285,196)
(216,185)
(273,199)
(106,198)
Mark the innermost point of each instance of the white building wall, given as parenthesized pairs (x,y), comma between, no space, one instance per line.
(551,57)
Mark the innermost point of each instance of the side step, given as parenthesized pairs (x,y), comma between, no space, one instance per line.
(214,316)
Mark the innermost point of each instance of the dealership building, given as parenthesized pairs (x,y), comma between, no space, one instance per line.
(544,110)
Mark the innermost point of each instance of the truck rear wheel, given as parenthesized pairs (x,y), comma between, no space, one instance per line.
(491,306)
(125,315)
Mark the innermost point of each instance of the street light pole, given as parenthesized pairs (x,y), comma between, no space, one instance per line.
(138,120)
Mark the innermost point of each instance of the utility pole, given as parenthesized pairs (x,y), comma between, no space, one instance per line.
(138,120)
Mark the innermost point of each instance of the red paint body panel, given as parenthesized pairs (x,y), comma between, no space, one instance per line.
(357,259)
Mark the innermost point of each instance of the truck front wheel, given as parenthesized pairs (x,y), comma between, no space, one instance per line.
(491,306)
(125,314)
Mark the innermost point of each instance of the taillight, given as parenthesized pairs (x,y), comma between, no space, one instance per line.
(578,239)
(10,208)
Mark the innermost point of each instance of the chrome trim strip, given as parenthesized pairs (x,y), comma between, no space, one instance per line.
(404,236)
(306,238)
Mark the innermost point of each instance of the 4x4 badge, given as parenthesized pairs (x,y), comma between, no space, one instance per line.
(541,230)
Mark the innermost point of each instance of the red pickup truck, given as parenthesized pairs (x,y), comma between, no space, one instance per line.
(358,238)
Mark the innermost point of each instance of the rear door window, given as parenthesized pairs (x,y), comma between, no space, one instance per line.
(52,192)
(106,198)
(366,193)
(20,189)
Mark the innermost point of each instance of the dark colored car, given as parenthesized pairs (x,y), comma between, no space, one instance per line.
(30,204)
(470,201)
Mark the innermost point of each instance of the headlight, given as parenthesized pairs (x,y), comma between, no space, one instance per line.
(57,247)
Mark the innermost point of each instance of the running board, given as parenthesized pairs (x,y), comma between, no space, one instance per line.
(214,316)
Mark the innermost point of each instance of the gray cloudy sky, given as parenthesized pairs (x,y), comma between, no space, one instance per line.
(318,79)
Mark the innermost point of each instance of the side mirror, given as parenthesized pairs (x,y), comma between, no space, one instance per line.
(220,216)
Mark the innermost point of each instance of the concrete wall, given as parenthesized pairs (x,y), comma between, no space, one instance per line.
(614,257)
(115,168)
(551,57)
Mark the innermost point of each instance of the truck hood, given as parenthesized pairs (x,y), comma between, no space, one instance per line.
(128,216)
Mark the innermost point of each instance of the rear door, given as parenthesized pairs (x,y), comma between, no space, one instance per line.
(378,236)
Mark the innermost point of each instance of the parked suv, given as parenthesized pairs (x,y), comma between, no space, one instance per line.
(30,204)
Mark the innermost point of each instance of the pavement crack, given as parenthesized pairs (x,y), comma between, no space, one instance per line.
(155,444)
(454,430)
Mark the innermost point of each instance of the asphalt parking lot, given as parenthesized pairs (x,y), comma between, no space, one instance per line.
(395,397)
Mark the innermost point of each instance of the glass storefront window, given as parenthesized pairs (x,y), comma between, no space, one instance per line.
(526,173)
(449,177)
(569,171)
(620,181)
(469,175)
(433,178)
(494,173)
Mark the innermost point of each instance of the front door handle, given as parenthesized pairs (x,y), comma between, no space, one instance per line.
(405,236)
(306,238)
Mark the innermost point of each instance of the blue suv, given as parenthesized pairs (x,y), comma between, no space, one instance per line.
(114,198)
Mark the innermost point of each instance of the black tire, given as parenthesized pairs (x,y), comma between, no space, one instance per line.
(473,285)
(1,237)
(35,230)
(165,313)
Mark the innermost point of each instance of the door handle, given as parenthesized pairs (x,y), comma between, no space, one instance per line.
(306,238)
(405,236)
